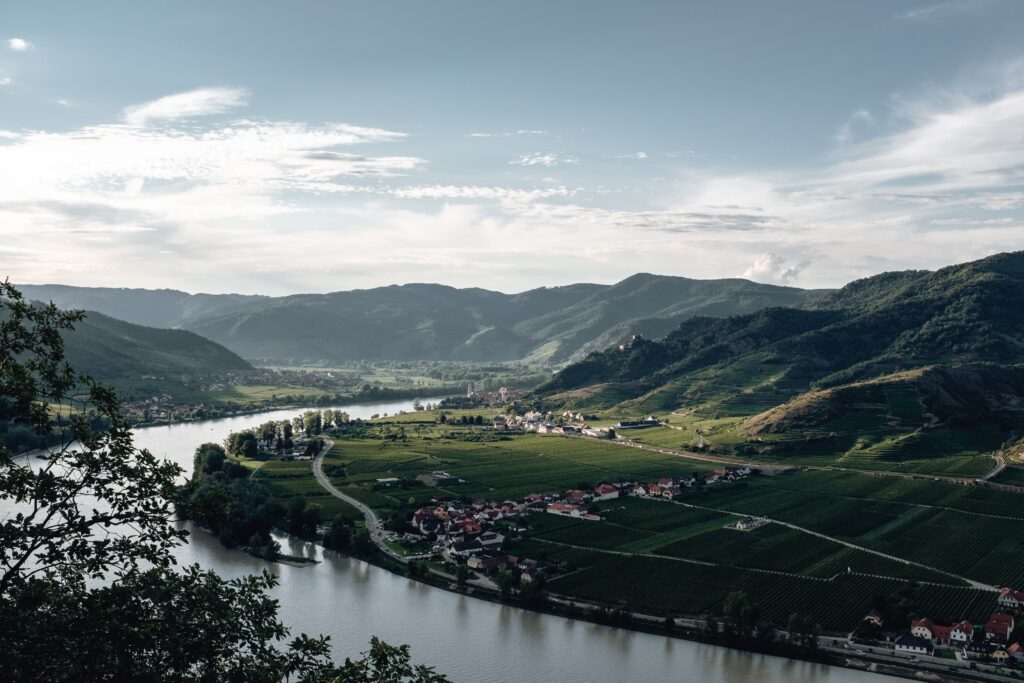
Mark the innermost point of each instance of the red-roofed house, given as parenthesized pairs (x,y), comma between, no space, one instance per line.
(962,633)
(1011,599)
(999,627)
(925,628)
(605,492)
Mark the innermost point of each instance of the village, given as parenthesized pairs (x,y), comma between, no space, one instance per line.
(474,533)
(994,642)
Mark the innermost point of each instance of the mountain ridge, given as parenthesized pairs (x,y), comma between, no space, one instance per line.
(423,321)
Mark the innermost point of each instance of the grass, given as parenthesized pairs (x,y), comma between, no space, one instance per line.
(676,558)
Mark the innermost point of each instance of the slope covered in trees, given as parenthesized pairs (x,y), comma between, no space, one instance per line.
(107,348)
(902,352)
(433,322)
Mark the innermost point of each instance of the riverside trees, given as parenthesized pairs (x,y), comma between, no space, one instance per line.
(88,590)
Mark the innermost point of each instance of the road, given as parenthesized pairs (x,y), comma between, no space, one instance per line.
(373,524)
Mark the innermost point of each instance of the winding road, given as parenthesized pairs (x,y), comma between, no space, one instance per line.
(373,524)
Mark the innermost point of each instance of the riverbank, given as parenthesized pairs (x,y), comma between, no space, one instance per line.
(696,631)
(469,639)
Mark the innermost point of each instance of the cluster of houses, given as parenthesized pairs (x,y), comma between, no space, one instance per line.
(571,423)
(671,488)
(968,641)
(466,532)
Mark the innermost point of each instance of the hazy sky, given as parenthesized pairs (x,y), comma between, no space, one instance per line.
(280,147)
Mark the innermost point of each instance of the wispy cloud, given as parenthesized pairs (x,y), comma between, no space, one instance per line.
(199,102)
(508,134)
(504,194)
(19,44)
(549,159)
(847,132)
(939,9)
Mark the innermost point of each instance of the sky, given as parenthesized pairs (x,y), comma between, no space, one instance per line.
(275,148)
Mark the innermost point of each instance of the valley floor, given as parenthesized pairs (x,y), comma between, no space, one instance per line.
(838,542)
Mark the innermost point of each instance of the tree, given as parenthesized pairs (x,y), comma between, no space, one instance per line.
(506,584)
(312,422)
(311,519)
(87,588)
(296,514)
(85,553)
(339,534)
(741,616)
(387,664)
(461,575)
(803,633)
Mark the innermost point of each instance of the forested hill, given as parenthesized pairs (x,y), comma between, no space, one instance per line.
(110,349)
(963,318)
(432,322)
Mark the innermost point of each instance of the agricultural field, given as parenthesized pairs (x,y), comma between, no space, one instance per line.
(662,586)
(862,445)
(494,467)
(1013,476)
(677,557)
(288,479)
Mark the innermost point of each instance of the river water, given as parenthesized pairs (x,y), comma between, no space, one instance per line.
(468,639)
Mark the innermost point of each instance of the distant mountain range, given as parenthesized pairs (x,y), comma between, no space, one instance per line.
(107,348)
(432,322)
(897,362)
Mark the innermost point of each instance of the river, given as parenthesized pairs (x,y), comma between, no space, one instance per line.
(470,640)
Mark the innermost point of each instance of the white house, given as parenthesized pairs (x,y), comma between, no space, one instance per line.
(1011,599)
(962,633)
(913,645)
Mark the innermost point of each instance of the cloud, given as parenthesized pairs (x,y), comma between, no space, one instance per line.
(19,44)
(505,194)
(635,155)
(940,9)
(4,80)
(773,269)
(199,102)
(847,131)
(549,159)
(508,134)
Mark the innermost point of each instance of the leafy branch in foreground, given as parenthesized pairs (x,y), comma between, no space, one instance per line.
(88,590)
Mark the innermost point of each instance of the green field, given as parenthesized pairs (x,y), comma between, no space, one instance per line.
(665,587)
(676,557)
(1013,476)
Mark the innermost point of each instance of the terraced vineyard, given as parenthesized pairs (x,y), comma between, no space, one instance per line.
(1012,475)
(667,588)
(676,558)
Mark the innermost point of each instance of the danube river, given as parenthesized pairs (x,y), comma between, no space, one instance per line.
(470,640)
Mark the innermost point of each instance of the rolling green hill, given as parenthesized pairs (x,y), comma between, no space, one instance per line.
(111,349)
(893,366)
(432,322)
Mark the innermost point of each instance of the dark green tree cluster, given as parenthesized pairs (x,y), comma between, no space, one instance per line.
(223,498)
(88,590)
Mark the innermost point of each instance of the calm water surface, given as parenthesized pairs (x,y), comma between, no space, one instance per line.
(470,640)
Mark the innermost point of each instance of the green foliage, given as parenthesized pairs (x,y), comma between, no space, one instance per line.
(852,349)
(87,591)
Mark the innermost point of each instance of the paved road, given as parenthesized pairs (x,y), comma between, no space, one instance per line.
(373,524)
